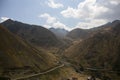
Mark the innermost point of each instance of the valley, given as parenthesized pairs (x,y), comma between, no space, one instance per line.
(32,52)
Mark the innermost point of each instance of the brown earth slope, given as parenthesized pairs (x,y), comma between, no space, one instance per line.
(100,51)
(15,52)
(34,34)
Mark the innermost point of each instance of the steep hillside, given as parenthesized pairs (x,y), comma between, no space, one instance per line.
(100,51)
(81,34)
(76,34)
(17,53)
(19,59)
(36,35)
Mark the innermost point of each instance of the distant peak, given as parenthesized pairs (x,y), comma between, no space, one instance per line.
(116,21)
(8,21)
(78,29)
(58,28)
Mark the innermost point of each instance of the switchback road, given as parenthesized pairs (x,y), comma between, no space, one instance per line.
(41,73)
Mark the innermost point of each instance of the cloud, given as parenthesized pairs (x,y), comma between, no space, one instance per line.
(52,4)
(114,1)
(86,9)
(60,25)
(93,12)
(47,26)
(91,23)
(49,18)
(53,22)
(114,10)
(3,19)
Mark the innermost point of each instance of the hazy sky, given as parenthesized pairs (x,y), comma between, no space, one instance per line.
(66,14)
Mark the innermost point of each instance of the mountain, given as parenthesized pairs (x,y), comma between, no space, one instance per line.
(99,51)
(18,59)
(78,33)
(17,53)
(81,34)
(34,34)
(60,33)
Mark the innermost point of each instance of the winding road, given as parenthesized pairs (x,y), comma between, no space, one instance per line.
(41,73)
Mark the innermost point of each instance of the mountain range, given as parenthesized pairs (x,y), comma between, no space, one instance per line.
(15,52)
(24,45)
(60,33)
(102,50)
(36,35)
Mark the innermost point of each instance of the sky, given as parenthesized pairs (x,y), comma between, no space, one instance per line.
(68,14)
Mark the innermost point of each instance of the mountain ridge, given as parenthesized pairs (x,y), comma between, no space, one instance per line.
(59,32)
(100,50)
(34,34)
(15,52)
